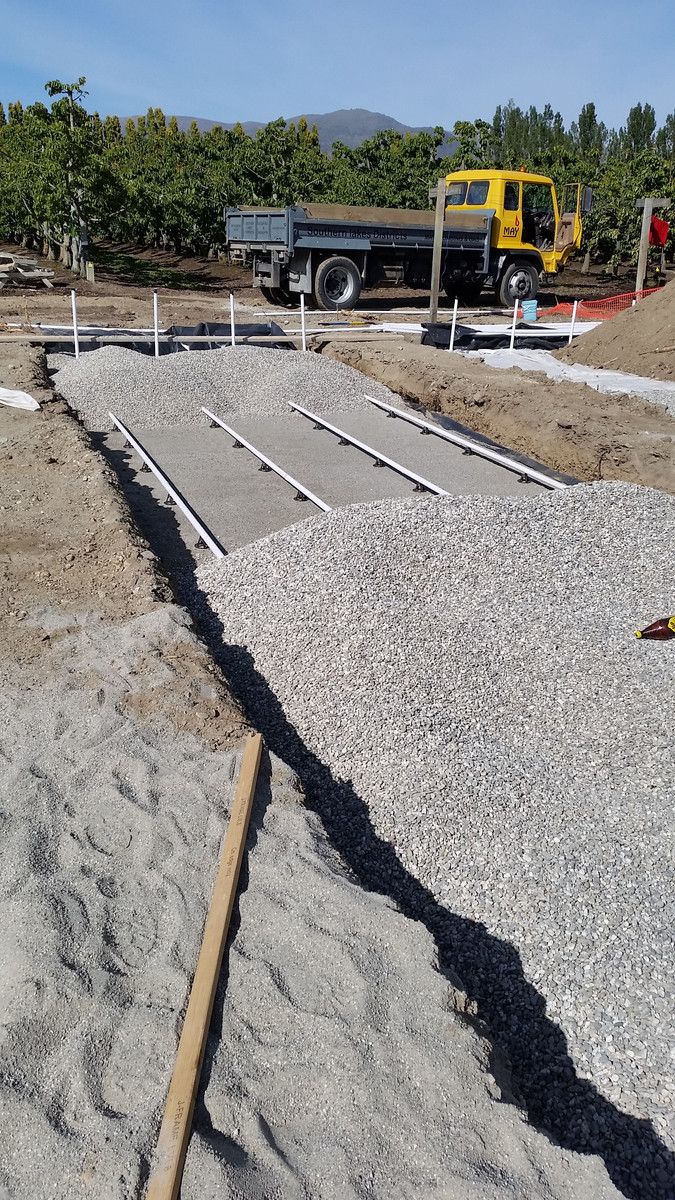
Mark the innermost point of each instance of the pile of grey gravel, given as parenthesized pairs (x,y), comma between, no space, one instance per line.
(170,391)
(458,683)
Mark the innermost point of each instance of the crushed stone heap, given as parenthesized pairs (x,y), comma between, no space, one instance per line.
(169,391)
(459,680)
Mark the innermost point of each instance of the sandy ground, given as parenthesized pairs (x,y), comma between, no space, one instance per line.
(341,1062)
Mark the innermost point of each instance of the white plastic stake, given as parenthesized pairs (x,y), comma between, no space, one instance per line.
(513,327)
(302,320)
(76,336)
(574,317)
(232,334)
(454,323)
(156,317)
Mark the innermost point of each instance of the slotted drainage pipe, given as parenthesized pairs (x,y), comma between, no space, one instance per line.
(502,460)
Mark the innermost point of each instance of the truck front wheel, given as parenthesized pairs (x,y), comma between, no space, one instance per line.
(520,281)
(337,284)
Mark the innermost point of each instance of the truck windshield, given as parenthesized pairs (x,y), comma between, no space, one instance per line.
(455,194)
(478,191)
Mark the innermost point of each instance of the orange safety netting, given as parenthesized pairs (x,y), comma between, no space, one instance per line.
(600,310)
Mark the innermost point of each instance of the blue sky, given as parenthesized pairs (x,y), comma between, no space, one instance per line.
(424,62)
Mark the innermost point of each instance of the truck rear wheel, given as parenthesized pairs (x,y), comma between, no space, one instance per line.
(337,284)
(520,281)
(467,293)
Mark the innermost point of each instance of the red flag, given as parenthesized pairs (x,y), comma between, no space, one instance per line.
(658,232)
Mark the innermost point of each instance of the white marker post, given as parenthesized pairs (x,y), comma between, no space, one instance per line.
(76,336)
(302,320)
(156,318)
(574,317)
(454,324)
(233,341)
(513,326)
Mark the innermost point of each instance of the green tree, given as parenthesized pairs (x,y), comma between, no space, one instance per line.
(640,126)
(588,134)
(665,138)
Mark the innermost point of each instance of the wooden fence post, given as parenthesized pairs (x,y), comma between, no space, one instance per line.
(438,250)
(648,204)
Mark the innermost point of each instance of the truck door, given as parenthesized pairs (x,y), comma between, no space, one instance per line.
(568,232)
(539,225)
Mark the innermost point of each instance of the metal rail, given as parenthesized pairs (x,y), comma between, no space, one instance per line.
(510,464)
(302,493)
(381,460)
(206,537)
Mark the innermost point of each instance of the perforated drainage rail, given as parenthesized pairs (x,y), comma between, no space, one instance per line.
(381,460)
(206,538)
(267,464)
(510,464)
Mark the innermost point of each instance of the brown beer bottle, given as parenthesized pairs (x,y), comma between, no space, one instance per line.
(659,631)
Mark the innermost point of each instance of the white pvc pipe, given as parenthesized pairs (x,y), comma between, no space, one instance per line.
(156,320)
(513,326)
(232,333)
(454,324)
(76,336)
(302,320)
(574,317)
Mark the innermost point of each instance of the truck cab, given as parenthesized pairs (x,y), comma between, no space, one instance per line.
(532,235)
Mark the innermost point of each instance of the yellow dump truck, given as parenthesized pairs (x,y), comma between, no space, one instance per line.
(503,229)
(531,234)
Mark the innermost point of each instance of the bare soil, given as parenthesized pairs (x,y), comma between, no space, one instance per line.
(71,557)
(640,340)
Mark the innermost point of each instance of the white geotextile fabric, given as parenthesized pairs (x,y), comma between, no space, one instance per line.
(658,391)
(17,399)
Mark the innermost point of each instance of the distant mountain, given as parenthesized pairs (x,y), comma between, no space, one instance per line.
(351,126)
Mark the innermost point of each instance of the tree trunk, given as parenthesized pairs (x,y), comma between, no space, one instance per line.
(65,255)
(211,256)
(586,266)
(75,250)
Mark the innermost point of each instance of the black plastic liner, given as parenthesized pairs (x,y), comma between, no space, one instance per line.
(467,338)
(97,336)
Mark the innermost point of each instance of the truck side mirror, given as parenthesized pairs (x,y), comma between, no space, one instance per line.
(586,199)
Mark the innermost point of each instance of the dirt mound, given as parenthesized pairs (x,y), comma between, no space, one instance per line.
(640,340)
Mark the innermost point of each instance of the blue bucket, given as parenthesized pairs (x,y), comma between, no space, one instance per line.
(529,310)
